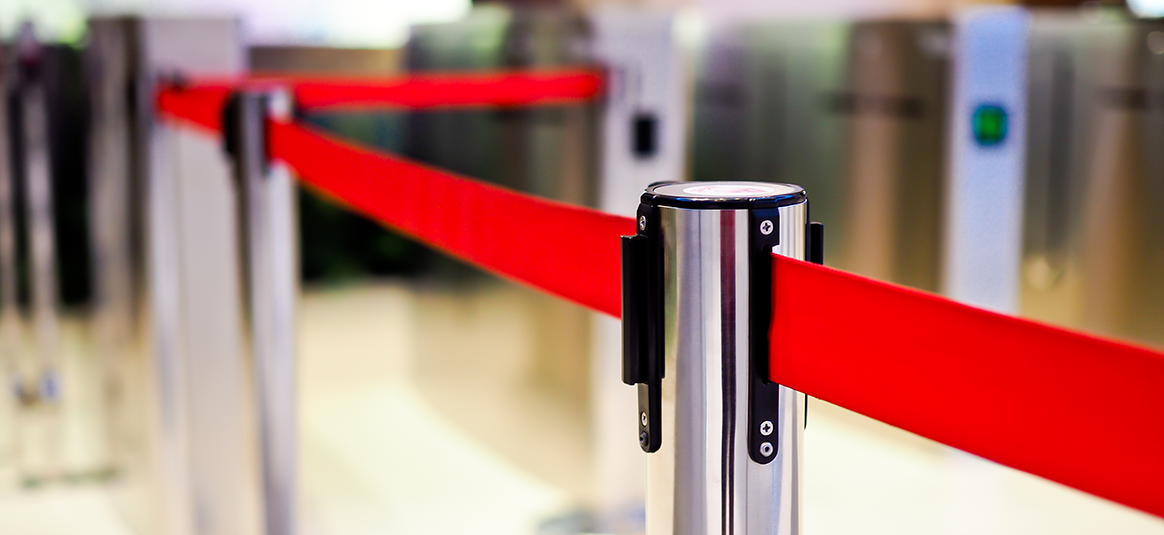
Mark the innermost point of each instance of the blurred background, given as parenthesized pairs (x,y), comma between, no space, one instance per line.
(1010,156)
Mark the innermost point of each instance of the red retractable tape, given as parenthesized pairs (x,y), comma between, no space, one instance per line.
(1076,409)
(565,250)
(202,103)
(1080,410)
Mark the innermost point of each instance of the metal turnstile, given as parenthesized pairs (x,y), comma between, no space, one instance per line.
(1057,188)
(55,415)
(1093,225)
(169,291)
(11,329)
(35,382)
(853,111)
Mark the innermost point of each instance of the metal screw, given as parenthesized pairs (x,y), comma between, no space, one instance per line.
(766,227)
(644,439)
(642,222)
(643,418)
(766,427)
(766,449)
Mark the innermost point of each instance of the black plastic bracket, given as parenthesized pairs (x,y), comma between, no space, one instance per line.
(230,125)
(815,243)
(231,129)
(763,394)
(642,325)
(642,322)
(814,252)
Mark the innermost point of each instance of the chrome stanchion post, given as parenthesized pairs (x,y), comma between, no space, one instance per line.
(11,334)
(167,284)
(40,457)
(723,442)
(270,259)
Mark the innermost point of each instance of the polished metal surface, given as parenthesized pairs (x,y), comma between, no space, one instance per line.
(11,331)
(267,202)
(1061,219)
(853,111)
(40,441)
(165,204)
(1061,112)
(702,481)
(123,320)
(204,376)
(894,103)
(115,228)
(1093,227)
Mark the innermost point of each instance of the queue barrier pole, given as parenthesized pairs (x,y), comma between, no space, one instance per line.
(266,193)
(724,443)
(37,385)
(168,302)
(11,332)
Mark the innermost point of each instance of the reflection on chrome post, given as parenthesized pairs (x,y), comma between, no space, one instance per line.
(270,271)
(724,443)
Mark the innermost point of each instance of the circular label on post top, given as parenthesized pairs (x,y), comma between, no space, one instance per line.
(724,195)
(729,190)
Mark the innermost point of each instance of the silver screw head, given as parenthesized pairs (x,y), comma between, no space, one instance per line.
(766,449)
(766,227)
(766,427)
(642,222)
(643,418)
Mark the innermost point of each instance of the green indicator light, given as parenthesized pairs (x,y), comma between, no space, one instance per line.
(989,124)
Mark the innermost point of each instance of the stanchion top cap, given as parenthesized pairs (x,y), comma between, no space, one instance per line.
(723,195)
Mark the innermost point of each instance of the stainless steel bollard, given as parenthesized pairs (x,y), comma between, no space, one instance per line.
(724,443)
(39,449)
(11,332)
(167,284)
(271,275)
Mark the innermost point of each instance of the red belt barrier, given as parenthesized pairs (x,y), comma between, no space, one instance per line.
(202,104)
(562,249)
(1072,408)
(1076,409)
(420,91)
(566,250)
